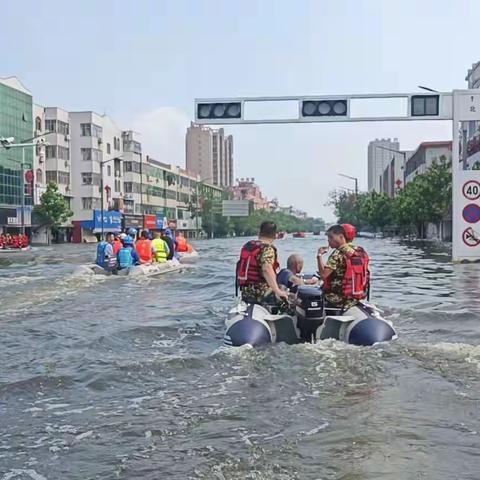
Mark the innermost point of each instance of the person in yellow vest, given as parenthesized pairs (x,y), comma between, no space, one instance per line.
(161,248)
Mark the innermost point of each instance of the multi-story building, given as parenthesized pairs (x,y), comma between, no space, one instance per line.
(380,153)
(209,154)
(247,189)
(425,154)
(97,167)
(39,163)
(16,163)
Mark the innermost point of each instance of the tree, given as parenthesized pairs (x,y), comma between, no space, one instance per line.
(376,209)
(346,207)
(53,210)
(425,199)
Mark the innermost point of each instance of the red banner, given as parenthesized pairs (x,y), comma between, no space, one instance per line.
(150,221)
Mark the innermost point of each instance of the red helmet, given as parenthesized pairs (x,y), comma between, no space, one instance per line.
(350,231)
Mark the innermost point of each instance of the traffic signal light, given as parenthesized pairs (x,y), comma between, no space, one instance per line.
(325,108)
(424,105)
(218,111)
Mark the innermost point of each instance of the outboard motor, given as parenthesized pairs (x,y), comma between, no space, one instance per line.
(309,311)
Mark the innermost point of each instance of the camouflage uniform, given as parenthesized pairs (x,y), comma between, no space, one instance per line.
(257,293)
(337,264)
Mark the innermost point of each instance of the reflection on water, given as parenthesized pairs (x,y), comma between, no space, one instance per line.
(120,378)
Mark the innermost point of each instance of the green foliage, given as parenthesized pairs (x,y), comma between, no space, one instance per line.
(426,199)
(376,209)
(249,225)
(53,209)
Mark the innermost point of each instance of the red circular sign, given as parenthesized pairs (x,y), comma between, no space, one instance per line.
(471,190)
(29,176)
(470,239)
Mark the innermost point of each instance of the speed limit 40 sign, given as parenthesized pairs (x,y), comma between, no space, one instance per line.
(471,190)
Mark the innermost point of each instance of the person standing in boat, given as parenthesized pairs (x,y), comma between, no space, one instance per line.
(167,236)
(290,277)
(257,268)
(346,278)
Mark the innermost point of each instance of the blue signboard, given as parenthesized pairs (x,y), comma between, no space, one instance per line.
(161,222)
(112,221)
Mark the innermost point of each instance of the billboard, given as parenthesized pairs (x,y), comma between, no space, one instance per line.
(236,208)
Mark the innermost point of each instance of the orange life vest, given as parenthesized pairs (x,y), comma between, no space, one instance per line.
(181,244)
(144,250)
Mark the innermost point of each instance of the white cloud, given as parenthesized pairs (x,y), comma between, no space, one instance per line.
(162,132)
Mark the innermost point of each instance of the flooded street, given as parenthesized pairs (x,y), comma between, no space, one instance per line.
(121,378)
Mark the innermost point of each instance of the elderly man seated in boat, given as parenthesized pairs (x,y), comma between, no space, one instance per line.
(291,277)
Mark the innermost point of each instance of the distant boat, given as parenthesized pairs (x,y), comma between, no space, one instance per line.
(316,232)
(298,235)
(280,235)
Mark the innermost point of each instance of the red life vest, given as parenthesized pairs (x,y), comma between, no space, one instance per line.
(249,271)
(356,281)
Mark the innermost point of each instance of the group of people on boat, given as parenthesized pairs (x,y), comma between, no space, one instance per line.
(344,277)
(8,241)
(124,250)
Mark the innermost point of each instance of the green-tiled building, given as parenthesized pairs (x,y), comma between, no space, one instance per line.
(16,120)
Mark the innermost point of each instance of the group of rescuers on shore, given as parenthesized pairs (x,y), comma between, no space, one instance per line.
(344,277)
(125,250)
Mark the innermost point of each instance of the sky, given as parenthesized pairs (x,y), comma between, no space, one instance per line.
(144,62)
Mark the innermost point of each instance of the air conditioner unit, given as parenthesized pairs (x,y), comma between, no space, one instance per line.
(117,173)
(66,163)
(67,188)
(67,138)
(129,196)
(41,159)
(100,141)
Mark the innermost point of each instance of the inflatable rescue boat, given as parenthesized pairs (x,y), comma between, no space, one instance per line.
(308,320)
(150,270)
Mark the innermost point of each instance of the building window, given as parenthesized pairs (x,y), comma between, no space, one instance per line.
(86,178)
(128,187)
(38,124)
(109,170)
(39,175)
(64,178)
(86,153)
(97,131)
(87,203)
(108,147)
(117,185)
(63,153)
(51,151)
(63,128)
(91,130)
(51,125)
(91,154)
(51,176)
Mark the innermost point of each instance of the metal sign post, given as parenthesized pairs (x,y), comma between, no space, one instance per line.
(465,182)
(457,106)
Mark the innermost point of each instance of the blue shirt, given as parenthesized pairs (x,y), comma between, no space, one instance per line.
(283,278)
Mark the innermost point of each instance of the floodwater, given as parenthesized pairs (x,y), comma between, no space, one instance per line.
(118,378)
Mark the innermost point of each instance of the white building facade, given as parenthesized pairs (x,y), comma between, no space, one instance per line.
(380,154)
